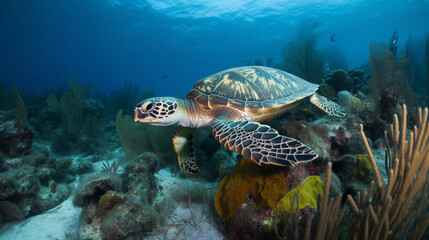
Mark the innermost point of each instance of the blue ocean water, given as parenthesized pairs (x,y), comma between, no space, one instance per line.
(168,45)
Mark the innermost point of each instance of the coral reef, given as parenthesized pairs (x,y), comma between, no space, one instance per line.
(31,189)
(392,210)
(15,138)
(330,138)
(339,81)
(256,202)
(109,212)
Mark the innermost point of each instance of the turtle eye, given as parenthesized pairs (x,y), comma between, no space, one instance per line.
(148,106)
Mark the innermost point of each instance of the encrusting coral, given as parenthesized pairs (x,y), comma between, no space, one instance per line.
(307,191)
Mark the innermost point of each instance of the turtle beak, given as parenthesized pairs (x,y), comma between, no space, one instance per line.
(140,116)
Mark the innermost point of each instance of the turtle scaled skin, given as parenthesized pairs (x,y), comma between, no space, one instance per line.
(233,103)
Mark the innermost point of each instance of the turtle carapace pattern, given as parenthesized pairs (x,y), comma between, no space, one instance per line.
(233,103)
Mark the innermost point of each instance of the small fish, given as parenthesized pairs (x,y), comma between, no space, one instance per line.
(164,76)
(393,45)
(333,38)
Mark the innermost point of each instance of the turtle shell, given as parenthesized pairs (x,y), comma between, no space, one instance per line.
(251,88)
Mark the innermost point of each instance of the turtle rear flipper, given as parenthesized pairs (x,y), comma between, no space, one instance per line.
(261,143)
(327,105)
(184,147)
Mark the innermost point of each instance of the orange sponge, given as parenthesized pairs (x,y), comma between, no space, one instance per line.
(265,184)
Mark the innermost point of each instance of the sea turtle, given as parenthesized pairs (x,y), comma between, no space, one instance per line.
(233,102)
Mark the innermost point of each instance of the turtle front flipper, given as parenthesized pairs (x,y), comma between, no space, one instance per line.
(261,143)
(184,147)
(327,105)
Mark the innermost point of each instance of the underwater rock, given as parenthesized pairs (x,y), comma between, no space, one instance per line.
(45,174)
(15,138)
(27,183)
(10,211)
(139,175)
(109,213)
(39,155)
(329,137)
(7,185)
(128,219)
(21,187)
(91,189)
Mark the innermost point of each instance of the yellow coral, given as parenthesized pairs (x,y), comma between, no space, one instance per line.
(266,184)
(308,191)
(362,169)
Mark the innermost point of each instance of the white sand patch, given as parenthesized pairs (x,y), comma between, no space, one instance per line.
(187,220)
(58,223)
(182,225)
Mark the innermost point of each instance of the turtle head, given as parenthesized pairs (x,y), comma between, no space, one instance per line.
(162,111)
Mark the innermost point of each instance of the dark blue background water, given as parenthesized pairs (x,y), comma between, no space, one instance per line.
(110,43)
